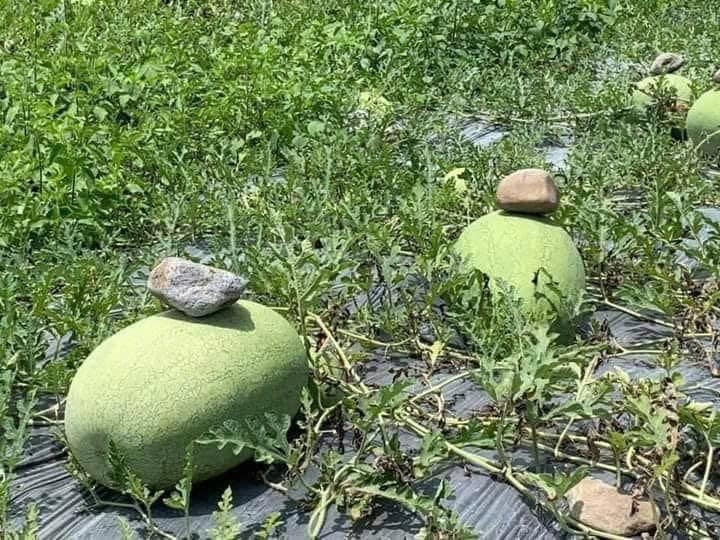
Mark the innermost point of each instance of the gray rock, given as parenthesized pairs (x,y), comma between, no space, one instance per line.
(716,77)
(195,289)
(603,507)
(666,63)
(529,191)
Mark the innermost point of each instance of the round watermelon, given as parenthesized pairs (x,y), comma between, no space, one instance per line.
(646,90)
(532,256)
(703,122)
(163,382)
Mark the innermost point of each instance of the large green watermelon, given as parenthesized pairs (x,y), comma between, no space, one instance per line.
(533,256)
(163,382)
(703,122)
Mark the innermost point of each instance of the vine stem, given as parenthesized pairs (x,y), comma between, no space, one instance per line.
(691,469)
(45,422)
(443,383)
(323,417)
(134,506)
(371,341)
(341,353)
(273,485)
(507,473)
(585,381)
(631,352)
(706,139)
(559,119)
(482,462)
(54,409)
(708,466)
(584,461)
(637,314)
(691,493)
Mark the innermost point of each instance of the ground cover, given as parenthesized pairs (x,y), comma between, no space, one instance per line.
(317,148)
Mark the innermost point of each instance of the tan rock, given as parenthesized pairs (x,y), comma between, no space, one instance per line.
(601,506)
(666,63)
(530,191)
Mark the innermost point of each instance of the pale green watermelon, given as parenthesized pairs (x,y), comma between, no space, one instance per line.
(374,103)
(703,122)
(533,256)
(165,381)
(645,90)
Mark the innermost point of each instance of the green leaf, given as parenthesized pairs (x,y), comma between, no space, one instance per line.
(227,527)
(315,127)
(269,526)
(432,452)
(133,188)
(476,433)
(266,435)
(100,113)
(557,485)
(179,499)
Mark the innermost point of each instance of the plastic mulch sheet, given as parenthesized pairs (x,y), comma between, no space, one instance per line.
(493,509)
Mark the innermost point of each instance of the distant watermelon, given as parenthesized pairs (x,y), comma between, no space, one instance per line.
(163,382)
(375,104)
(703,122)
(645,90)
(532,255)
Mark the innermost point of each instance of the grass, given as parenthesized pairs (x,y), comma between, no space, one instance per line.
(133,129)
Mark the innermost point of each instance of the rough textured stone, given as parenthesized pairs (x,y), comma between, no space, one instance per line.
(163,382)
(716,77)
(603,507)
(666,63)
(195,289)
(530,191)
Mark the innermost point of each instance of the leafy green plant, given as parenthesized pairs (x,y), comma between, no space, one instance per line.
(179,499)
(227,528)
(131,130)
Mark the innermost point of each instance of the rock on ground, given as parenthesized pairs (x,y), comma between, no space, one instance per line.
(195,289)
(666,63)
(601,506)
(530,191)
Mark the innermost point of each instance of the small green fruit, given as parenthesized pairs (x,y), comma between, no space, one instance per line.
(374,103)
(461,186)
(534,256)
(165,381)
(703,122)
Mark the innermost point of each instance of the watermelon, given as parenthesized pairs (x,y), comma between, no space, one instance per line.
(703,122)
(163,382)
(644,91)
(532,256)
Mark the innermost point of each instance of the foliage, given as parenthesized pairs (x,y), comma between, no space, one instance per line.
(132,130)
(227,528)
